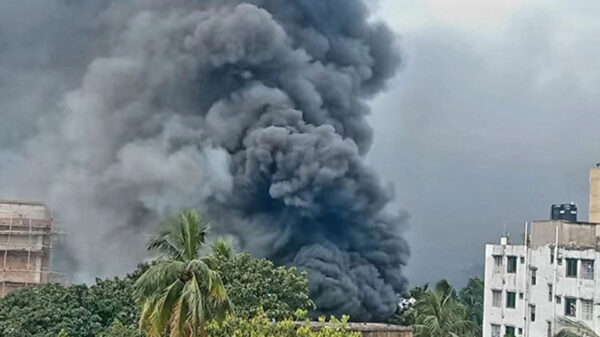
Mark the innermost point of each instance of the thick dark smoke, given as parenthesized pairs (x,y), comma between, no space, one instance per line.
(252,111)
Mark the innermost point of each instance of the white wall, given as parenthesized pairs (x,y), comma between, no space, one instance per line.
(538,259)
(497,278)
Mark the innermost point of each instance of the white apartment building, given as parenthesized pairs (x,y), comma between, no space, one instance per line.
(554,273)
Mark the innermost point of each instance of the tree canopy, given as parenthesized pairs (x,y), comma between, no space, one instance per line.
(86,311)
(185,277)
(261,325)
(471,297)
(438,314)
(79,310)
(256,284)
(443,309)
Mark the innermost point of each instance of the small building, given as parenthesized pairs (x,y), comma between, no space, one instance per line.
(26,242)
(551,274)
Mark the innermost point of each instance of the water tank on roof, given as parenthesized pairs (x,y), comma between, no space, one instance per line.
(567,212)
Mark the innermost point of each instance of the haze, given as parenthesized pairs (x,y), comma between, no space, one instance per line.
(494,117)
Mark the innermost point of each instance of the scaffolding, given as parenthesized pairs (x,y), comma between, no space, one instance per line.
(27,238)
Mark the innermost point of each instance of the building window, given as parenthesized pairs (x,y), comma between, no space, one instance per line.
(558,299)
(520,295)
(587,310)
(496,298)
(548,328)
(532,313)
(509,330)
(520,331)
(587,269)
(498,263)
(549,292)
(511,264)
(522,260)
(570,306)
(559,260)
(571,267)
(511,299)
(533,277)
(495,330)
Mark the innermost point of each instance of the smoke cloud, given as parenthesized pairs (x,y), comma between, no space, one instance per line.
(120,113)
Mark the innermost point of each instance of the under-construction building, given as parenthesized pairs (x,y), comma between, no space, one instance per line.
(26,242)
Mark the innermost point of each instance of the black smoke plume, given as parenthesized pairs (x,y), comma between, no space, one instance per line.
(120,112)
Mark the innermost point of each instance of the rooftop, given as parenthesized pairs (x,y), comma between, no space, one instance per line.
(22,202)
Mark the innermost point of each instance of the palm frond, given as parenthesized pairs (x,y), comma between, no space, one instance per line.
(193,232)
(578,328)
(183,290)
(222,248)
(166,245)
(179,319)
(438,314)
(194,299)
(181,237)
(164,304)
(159,276)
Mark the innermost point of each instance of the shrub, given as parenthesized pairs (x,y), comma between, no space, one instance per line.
(261,326)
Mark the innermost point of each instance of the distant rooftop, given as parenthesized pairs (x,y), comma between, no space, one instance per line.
(22,202)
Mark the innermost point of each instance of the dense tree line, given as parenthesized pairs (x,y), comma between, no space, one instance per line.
(79,310)
(109,308)
(443,311)
(190,291)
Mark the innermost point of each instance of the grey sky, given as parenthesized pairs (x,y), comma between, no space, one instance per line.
(494,117)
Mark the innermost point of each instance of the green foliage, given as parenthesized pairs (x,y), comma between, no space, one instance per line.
(222,249)
(445,288)
(78,311)
(468,300)
(109,307)
(182,290)
(406,313)
(255,284)
(471,297)
(261,326)
(438,314)
(83,311)
(117,329)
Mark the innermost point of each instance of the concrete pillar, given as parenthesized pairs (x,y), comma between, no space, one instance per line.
(595,195)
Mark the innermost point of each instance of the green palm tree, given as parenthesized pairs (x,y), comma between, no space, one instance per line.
(471,297)
(182,290)
(438,314)
(444,287)
(573,328)
(223,249)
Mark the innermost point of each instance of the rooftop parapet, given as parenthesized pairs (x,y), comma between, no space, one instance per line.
(576,235)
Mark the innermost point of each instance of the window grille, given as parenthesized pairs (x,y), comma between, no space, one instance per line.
(497,298)
(587,269)
(587,310)
(495,330)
